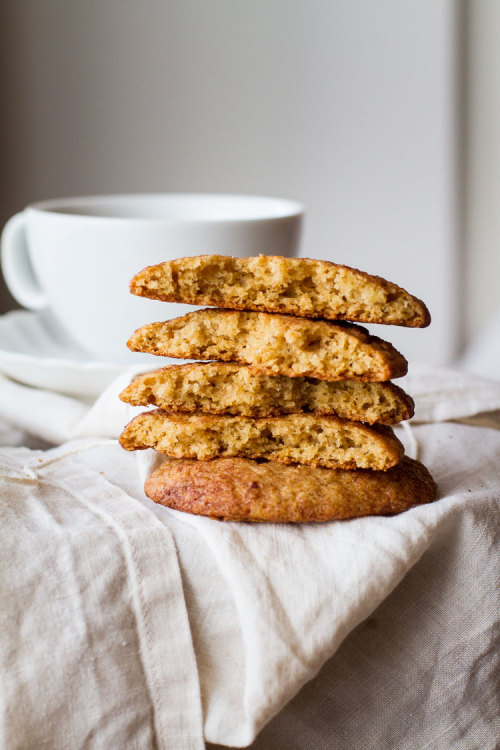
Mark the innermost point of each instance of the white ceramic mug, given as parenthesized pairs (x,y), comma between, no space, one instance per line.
(76,256)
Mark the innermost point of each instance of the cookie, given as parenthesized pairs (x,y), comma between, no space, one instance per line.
(226,388)
(274,344)
(295,286)
(295,438)
(239,489)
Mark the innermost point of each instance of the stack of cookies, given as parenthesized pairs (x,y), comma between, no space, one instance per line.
(290,420)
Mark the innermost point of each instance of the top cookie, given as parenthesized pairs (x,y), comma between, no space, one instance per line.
(294,286)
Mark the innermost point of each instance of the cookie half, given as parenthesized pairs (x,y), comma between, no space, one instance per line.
(295,286)
(274,344)
(296,438)
(226,388)
(239,489)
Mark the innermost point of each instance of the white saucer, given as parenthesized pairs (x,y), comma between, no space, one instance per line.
(36,351)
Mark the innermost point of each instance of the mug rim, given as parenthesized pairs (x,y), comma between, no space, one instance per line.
(284,208)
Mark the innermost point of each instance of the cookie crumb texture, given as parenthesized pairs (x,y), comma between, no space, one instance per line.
(299,438)
(274,344)
(295,286)
(240,489)
(225,388)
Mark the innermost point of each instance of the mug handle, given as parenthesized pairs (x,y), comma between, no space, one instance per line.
(17,269)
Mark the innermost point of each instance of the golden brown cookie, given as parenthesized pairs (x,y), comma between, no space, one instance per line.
(274,344)
(295,286)
(295,438)
(226,388)
(239,489)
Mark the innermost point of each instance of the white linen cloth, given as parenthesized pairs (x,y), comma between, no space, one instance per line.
(125,624)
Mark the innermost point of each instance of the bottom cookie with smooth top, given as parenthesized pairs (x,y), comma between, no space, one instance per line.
(241,489)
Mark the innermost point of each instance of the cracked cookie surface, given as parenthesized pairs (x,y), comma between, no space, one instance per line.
(239,489)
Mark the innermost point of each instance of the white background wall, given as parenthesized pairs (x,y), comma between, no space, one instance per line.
(483,167)
(349,106)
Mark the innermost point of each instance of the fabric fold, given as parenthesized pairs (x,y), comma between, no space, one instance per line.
(110,617)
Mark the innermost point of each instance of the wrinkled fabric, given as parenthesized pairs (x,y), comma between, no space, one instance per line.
(422,670)
(126,624)
(95,648)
